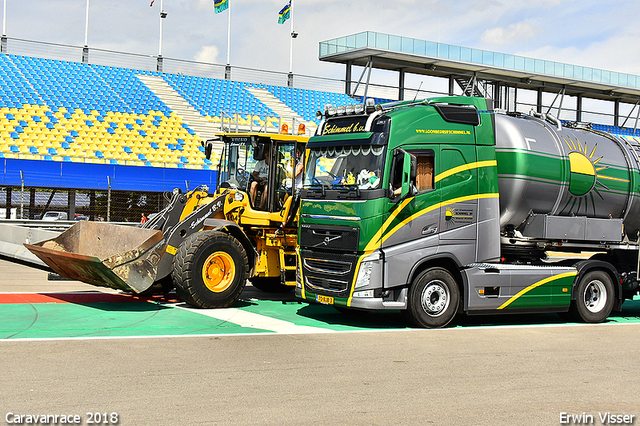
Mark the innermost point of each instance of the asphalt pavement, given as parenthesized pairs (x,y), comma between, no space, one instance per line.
(534,374)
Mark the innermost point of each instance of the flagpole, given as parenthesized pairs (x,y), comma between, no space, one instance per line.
(229,35)
(291,47)
(293,35)
(163,15)
(3,41)
(85,49)
(4,19)
(227,69)
(160,42)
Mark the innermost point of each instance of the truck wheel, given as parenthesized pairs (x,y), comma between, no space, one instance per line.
(594,298)
(433,299)
(210,269)
(270,284)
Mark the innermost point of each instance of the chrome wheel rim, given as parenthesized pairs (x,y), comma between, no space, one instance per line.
(435,298)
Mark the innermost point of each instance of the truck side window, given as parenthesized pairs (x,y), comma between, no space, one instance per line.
(425,160)
(424,174)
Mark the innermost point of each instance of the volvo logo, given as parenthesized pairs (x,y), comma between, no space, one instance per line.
(327,240)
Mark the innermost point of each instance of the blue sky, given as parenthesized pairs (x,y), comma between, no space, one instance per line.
(587,32)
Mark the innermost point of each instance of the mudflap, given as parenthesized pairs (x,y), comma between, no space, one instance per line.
(104,254)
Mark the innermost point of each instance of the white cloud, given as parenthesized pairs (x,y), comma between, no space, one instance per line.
(502,36)
(207,54)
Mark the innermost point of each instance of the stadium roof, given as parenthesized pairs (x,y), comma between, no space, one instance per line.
(443,60)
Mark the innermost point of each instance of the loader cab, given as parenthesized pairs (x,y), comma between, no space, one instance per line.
(262,166)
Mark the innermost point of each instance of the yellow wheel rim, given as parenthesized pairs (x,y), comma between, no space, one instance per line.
(218,271)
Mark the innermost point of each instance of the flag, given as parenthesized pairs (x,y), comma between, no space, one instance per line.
(220,5)
(152,2)
(285,13)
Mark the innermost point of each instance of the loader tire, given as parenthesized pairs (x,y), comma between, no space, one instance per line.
(210,269)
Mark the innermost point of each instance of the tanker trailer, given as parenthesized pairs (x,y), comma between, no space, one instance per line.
(563,188)
(441,206)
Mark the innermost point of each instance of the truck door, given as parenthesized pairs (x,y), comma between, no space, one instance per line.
(458,183)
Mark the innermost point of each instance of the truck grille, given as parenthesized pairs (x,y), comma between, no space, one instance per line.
(343,238)
(328,273)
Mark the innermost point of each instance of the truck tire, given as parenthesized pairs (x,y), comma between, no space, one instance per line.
(433,299)
(594,298)
(270,284)
(210,269)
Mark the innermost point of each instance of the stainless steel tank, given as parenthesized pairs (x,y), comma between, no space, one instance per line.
(548,170)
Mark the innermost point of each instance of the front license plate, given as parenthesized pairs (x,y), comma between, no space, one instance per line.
(327,300)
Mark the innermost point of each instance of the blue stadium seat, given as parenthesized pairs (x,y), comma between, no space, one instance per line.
(113,162)
(99,154)
(128,150)
(48,158)
(33,150)
(65,145)
(14,149)
(142,157)
(154,145)
(52,151)
(66,159)
(74,134)
(68,139)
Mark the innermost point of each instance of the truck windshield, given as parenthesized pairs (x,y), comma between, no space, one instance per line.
(345,166)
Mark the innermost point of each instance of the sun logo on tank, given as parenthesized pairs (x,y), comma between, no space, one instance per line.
(585,177)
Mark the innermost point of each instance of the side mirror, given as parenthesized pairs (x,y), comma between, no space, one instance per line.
(403,174)
(409,167)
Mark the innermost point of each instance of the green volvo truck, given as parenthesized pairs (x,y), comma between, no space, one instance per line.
(443,206)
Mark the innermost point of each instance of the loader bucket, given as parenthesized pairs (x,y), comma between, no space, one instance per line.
(104,254)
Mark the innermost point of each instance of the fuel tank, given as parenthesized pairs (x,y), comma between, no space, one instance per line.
(548,169)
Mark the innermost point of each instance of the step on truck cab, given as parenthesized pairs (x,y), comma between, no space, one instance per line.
(441,206)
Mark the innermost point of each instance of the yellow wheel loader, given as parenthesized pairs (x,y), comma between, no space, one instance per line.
(205,244)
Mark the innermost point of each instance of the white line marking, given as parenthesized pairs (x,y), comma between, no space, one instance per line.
(249,319)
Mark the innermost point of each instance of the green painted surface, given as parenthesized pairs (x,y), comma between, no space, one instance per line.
(46,320)
(64,320)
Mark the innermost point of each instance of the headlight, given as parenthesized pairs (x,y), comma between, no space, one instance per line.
(364,274)
(239,196)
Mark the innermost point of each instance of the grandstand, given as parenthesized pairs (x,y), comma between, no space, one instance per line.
(70,112)
(86,127)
